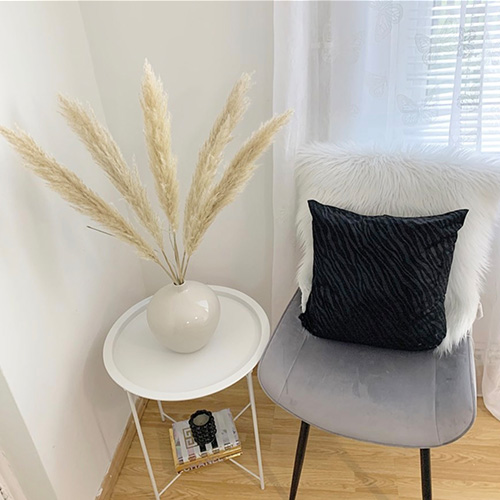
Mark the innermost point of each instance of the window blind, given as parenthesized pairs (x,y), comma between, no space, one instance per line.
(455,67)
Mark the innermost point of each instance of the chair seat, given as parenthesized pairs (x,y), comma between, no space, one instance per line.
(396,398)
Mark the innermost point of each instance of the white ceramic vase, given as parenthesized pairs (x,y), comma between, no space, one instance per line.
(184,317)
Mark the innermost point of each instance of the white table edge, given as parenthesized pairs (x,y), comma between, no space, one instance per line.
(129,386)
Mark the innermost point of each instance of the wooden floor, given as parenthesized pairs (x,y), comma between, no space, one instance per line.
(335,468)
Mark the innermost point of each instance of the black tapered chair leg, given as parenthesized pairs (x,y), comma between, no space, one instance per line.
(425,472)
(299,458)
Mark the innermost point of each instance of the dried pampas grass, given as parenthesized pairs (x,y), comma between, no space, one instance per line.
(162,162)
(66,183)
(205,199)
(234,178)
(210,155)
(108,156)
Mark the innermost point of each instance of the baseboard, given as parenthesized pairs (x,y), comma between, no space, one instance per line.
(120,455)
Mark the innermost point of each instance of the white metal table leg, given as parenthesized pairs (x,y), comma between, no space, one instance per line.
(160,407)
(255,428)
(143,445)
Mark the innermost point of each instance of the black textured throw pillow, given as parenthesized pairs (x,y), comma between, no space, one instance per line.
(380,280)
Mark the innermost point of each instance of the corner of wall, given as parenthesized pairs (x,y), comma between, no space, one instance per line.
(19,449)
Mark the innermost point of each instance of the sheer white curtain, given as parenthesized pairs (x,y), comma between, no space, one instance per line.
(423,71)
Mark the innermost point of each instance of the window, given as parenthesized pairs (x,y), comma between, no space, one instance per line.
(456,64)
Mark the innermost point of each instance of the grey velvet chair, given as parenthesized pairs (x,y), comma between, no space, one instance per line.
(396,398)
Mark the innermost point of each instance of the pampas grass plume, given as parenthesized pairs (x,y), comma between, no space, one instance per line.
(162,162)
(210,155)
(237,174)
(67,184)
(108,156)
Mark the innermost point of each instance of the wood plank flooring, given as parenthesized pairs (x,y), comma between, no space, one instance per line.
(335,468)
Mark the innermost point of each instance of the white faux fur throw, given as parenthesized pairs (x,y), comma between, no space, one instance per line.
(414,182)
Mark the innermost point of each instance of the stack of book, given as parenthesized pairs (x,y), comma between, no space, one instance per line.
(187,454)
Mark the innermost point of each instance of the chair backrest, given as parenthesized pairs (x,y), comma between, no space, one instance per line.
(415,182)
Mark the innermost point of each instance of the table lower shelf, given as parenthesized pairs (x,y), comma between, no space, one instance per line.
(229,457)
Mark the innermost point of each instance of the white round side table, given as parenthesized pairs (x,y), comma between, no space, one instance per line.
(143,367)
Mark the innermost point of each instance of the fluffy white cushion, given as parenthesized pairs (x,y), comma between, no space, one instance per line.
(414,182)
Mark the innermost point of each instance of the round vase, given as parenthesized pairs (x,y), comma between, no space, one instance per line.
(184,317)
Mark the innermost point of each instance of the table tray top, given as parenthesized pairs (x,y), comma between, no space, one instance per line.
(137,362)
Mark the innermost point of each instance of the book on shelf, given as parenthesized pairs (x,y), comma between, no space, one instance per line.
(187,454)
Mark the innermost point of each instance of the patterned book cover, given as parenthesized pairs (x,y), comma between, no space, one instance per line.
(187,454)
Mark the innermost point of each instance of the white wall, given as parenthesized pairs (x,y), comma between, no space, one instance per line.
(61,285)
(199,49)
